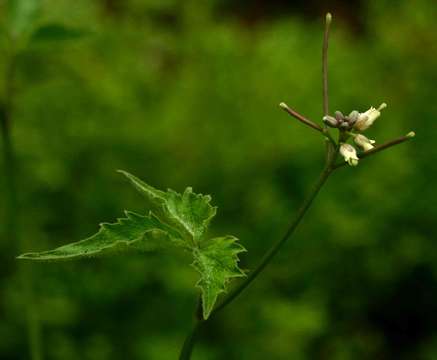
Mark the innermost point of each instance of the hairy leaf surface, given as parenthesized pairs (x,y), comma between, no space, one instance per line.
(181,220)
(191,213)
(134,232)
(217,263)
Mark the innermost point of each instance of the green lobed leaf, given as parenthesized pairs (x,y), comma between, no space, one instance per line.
(217,262)
(183,221)
(134,232)
(191,213)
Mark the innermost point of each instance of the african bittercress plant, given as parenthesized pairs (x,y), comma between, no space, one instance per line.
(182,220)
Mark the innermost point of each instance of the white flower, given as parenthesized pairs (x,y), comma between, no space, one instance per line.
(363,142)
(349,153)
(367,118)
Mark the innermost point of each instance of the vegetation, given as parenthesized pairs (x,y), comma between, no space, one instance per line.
(172,105)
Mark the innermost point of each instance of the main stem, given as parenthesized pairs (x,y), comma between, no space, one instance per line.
(12,208)
(189,341)
(279,244)
(331,155)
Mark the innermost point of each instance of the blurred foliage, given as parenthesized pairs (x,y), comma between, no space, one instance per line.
(181,94)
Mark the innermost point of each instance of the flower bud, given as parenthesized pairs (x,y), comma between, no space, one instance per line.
(363,142)
(353,117)
(366,119)
(330,121)
(349,153)
(339,115)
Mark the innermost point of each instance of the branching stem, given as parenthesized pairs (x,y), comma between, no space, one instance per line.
(381,147)
(300,117)
(307,122)
(332,151)
(279,244)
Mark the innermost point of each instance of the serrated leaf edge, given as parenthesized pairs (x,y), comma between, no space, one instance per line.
(206,312)
(39,255)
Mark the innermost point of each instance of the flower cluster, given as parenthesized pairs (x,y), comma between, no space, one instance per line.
(352,125)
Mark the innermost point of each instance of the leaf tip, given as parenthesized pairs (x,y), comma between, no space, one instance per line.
(123,172)
(28,256)
(206,308)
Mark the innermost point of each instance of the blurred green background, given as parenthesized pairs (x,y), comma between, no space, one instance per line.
(185,93)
